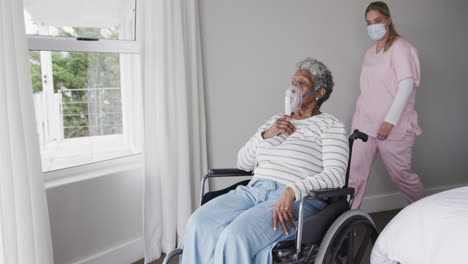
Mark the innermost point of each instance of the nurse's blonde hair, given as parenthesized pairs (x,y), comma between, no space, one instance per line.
(382,8)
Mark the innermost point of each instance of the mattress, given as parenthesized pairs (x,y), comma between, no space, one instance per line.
(431,230)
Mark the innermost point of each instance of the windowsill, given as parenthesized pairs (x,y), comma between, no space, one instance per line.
(94,170)
(72,152)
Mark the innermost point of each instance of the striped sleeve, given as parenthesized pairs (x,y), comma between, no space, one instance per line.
(246,157)
(335,153)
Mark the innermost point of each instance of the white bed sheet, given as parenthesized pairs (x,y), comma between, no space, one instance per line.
(429,231)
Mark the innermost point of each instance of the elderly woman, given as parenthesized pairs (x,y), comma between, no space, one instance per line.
(290,154)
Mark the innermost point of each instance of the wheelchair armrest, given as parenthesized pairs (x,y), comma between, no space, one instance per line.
(221,173)
(330,193)
(228,173)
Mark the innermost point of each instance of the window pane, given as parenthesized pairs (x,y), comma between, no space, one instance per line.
(91,112)
(103,19)
(80,99)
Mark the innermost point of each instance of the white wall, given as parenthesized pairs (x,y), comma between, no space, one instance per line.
(250,49)
(98,220)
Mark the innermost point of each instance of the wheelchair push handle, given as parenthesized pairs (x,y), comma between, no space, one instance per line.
(358,135)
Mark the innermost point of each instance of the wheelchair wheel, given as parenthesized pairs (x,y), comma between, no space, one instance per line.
(348,240)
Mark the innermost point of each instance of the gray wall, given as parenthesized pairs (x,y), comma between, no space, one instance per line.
(250,49)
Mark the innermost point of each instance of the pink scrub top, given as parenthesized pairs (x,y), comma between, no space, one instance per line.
(380,76)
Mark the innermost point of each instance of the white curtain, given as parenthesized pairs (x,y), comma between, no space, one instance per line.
(24,221)
(175,136)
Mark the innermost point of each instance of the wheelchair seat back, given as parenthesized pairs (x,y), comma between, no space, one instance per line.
(314,229)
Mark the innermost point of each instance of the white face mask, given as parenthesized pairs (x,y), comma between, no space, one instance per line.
(293,99)
(376,31)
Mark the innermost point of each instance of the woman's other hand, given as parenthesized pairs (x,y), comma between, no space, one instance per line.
(384,131)
(283,211)
(281,126)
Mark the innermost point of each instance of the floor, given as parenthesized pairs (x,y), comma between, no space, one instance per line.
(381,219)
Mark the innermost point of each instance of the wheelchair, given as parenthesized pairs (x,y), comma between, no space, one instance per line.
(335,235)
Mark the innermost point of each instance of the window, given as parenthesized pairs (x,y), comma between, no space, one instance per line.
(85,61)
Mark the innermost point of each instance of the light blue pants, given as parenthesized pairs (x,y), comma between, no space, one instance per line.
(237,227)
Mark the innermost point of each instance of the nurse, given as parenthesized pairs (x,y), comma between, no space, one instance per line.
(385,108)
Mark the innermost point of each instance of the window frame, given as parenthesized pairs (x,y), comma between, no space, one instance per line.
(51,43)
(110,166)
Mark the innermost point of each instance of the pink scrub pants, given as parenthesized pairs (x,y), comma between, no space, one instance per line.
(396,155)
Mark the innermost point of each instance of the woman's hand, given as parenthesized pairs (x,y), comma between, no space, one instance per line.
(283,211)
(384,131)
(281,126)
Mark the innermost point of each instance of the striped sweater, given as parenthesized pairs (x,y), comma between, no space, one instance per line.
(314,157)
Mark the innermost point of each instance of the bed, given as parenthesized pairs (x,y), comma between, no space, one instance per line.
(431,230)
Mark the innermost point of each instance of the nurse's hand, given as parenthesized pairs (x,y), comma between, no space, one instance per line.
(384,131)
(281,126)
(283,211)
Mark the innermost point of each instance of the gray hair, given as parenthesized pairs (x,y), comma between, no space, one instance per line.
(320,74)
